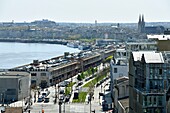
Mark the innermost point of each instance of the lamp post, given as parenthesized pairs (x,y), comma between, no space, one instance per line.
(91,92)
(55,95)
(60,103)
(90,103)
(1,98)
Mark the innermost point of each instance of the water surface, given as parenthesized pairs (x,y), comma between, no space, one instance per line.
(17,54)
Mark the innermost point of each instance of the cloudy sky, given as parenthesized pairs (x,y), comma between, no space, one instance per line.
(84,10)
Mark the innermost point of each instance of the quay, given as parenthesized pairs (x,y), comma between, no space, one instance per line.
(52,71)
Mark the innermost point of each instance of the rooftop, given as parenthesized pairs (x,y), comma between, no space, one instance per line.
(121,79)
(159,37)
(13,110)
(13,74)
(149,56)
(141,43)
(57,62)
(124,102)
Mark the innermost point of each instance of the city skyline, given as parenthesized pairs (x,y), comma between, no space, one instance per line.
(86,11)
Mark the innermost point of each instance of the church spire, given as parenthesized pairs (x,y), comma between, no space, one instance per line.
(142,18)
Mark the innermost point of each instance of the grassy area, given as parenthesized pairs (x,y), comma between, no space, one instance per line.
(87,73)
(82,95)
(68,88)
(94,81)
(81,98)
(71,84)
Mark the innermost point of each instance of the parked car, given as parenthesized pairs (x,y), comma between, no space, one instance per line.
(45,93)
(40,99)
(61,92)
(61,97)
(46,100)
(67,98)
(80,83)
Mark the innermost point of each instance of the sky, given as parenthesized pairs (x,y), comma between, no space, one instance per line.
(82,11)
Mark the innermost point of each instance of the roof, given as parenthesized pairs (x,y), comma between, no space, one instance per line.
(13,110)
(124,102)
(13,74)
(121,79)
(159,37)
(149,56)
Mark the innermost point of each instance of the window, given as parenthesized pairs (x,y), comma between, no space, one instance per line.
(158,110)
(160,101)
(160,71)
(151,84)
(145,100)
(149,100)
(43,74)
(115,70)
(154,100)
(165,84)
(151,71)
(137,98)
(33,74)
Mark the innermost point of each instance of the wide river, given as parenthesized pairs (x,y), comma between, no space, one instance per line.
(17,54)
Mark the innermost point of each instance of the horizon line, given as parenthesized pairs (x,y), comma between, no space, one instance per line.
(81,22)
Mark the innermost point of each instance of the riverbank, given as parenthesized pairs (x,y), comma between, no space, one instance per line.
(47,41)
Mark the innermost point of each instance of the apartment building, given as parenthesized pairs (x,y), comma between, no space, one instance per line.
(121,95)
(149,82)
(14,86)
(49,72)
(119,67)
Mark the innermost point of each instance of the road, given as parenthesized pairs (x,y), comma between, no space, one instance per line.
(69,107)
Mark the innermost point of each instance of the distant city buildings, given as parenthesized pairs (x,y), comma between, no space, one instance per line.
(142,28)
(141,24)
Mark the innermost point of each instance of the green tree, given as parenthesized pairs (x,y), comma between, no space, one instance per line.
(79,78)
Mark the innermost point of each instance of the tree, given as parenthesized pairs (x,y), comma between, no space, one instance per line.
(82,75)
(91,93)
(79,78)
(89,71)
(92,70)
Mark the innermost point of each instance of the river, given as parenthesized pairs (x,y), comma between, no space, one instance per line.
(16,54)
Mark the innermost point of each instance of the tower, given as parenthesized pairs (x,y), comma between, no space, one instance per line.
(141,24)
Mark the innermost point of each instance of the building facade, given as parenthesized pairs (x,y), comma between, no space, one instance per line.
(14,86)
(49,72)
(118,67)
(121,95)
(149,81)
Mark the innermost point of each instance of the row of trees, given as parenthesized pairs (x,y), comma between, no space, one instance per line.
(87,73)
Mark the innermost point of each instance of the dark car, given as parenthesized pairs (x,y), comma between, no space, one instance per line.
(67,98)
(97,84)
(80,83)
(46,100)
(40,99)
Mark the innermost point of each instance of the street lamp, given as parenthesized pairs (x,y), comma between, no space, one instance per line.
(64,104)
(60,103)
(90,97)
(55,95)
(1,98)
